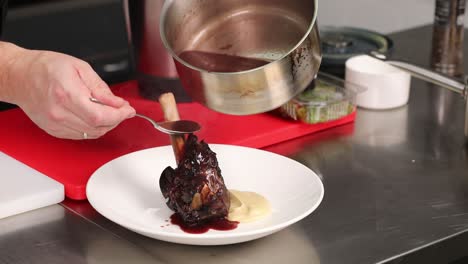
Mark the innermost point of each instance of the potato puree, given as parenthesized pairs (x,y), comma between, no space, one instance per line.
(247,206)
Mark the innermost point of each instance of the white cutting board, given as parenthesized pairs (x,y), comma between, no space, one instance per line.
(23,188)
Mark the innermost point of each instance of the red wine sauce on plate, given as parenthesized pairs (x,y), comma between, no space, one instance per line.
(217,62)
(220,224)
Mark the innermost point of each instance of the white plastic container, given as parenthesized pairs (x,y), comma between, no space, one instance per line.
(387,86)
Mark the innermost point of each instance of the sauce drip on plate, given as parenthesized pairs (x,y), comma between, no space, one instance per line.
(245,207)
(221,224)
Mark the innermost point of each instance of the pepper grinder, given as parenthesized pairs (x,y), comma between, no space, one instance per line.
(447,59)
(447,38)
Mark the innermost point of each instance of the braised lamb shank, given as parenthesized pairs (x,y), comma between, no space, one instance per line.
(195,189)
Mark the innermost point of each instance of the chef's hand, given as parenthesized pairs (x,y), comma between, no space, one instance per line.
(54,90)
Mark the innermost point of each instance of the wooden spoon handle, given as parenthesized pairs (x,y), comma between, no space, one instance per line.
(169,108)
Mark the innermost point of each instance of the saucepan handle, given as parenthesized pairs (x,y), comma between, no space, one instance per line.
(430,76)
(426,75)
(435,78)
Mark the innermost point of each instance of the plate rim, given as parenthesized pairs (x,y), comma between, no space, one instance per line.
(114,217)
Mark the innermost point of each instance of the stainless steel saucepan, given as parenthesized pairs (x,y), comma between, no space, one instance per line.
(253,55)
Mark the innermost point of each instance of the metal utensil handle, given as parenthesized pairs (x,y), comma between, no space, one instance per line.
(148,119)
(437,79)
(94,100)
(431,76)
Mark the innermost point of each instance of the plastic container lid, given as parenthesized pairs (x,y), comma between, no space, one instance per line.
(341,43)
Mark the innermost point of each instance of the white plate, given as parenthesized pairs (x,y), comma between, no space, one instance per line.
(126,191)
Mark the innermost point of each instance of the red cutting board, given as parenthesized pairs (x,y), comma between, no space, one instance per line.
(73,162)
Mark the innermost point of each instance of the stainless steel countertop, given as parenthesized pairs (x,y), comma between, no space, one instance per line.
(395,181)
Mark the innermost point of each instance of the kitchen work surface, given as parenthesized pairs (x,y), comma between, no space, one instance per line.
(396,191)
(72,162)
(23,189)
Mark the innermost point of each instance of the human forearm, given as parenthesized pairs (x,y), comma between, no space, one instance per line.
(10,56)
(53,90)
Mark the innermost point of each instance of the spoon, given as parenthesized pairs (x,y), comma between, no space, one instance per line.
(169,127)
